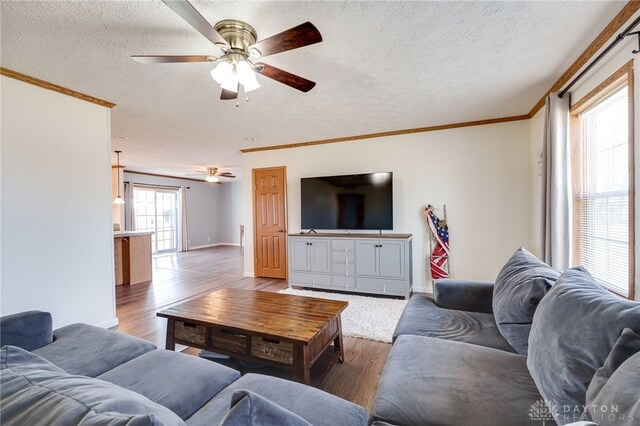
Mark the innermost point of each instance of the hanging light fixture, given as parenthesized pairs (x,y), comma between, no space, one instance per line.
(118,199)
(212,178)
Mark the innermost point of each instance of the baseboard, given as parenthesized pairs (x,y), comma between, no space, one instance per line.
(204,246)
(213,245)
(422,289)
(249,275)
(113,322)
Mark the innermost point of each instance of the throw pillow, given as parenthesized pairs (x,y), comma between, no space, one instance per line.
(34,393)
(521,284)
(250,409)
(613,396)
(574,329)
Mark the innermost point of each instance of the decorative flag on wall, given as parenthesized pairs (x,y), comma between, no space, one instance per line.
(440,253)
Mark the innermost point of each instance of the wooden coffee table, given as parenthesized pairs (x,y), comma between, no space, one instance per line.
(302,334)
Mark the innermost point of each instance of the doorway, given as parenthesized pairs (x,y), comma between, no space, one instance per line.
(270,222)
(156,210)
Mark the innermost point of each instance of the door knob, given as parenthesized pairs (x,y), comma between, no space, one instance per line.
(280,230)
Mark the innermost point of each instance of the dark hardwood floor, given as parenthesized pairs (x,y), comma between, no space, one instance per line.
(183,276)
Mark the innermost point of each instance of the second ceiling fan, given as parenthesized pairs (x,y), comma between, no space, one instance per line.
(237,40)
(212,175)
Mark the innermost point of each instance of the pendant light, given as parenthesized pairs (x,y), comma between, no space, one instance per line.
(118,199)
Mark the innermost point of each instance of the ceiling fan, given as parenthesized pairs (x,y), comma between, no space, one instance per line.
(213,176)
(237,40)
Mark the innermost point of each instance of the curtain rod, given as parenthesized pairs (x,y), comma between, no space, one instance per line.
(151,185)
(619,38)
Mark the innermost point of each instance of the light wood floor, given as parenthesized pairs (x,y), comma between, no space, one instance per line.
(183,276)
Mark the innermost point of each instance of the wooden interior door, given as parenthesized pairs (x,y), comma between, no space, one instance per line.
(270,222)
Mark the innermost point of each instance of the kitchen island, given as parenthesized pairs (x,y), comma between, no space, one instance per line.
(132,255)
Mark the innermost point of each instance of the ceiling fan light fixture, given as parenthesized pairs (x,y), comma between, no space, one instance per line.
(212,179)
(224,75)
(246,76)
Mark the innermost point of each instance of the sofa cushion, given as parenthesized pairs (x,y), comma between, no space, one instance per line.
(90,351)
(182,383)
(574,329)
(430,381)
(35,393)
(521,284)
(27,330)
(315,406)
(617,383)
(250,409)
(421,317)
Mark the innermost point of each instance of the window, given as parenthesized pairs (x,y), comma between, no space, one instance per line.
(603,183)
(156,210)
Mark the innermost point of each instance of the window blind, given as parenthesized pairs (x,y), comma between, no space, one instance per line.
(602,196)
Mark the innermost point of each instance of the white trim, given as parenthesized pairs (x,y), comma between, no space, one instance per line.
(421,289)
(113,322)
(213,245)
(249,274)
(204,246)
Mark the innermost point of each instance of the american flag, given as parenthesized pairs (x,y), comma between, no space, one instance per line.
(440,253)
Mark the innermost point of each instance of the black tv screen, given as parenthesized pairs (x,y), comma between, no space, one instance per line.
(363,201)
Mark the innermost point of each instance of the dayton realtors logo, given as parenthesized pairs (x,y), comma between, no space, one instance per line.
(543,411)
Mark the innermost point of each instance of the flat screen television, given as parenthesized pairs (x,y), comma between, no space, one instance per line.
(362,201)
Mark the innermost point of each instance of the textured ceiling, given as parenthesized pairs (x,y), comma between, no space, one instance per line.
(382,66)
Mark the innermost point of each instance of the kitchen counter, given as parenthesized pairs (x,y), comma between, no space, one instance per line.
(119,234)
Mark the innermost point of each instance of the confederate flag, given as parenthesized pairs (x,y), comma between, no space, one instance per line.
(440,253)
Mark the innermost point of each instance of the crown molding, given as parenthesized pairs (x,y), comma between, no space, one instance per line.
(50,86)
(390,133)
(609,31)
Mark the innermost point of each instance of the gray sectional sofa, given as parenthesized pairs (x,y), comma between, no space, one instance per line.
(84,375)
(531,348)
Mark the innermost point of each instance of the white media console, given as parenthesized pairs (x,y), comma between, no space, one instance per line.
(361,263)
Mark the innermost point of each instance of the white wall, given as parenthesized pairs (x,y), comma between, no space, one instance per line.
(481,173)
(231,213)
(605,68)
(56,238)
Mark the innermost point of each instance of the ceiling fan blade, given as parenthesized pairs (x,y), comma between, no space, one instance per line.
(227,176)
(287,78)
(293,38)
(189,13)
(228,95)
(166,59)
(196,174)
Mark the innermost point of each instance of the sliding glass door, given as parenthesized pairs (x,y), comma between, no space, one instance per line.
(156,209)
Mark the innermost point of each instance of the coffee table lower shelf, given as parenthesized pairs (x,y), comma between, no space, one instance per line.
(309,362)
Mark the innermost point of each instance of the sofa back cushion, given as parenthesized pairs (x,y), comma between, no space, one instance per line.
(27,330)
(35,392)
(574,329)
(521,284)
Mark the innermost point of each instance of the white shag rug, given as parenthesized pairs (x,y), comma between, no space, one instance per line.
(372,318)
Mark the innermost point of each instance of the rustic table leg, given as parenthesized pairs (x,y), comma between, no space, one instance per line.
(338,342)
(301,364)
(171,343)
